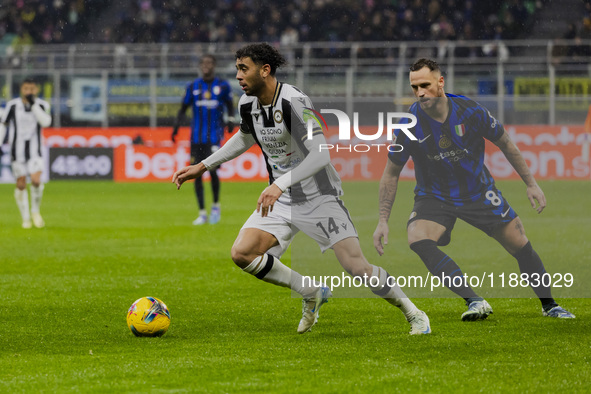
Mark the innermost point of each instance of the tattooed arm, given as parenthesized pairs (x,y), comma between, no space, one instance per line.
(388,187)
(513,155)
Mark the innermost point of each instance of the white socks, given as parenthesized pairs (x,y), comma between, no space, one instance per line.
(22,202)
(389,290)
(270,269)
(36,194)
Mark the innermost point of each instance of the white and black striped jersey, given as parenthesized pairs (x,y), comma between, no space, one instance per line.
(279,129)
(23,128)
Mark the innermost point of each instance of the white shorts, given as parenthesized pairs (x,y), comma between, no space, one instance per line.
(324,219)
(20,169)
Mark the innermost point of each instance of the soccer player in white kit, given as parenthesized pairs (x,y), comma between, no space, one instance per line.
(303,192)
(23,119)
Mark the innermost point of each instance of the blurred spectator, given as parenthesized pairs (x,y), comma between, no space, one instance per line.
(288,21)
(289,36)
(585,50)
(49,21)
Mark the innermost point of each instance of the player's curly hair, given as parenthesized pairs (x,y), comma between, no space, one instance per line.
(262,54)
(28,80)
(429,63)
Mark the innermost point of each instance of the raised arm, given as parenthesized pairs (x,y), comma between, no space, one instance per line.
(41,114)
(513,155)
(387,193)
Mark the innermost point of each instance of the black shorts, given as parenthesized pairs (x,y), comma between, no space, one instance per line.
(486,214)
(200,152)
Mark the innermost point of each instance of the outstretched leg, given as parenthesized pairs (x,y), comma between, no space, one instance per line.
(348,252)
(202,218)
(21,197)
(512,237)
(216,212)
(249,252)
(422,238)
(36,196)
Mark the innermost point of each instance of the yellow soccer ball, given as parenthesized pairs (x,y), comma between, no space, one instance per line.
(148,317)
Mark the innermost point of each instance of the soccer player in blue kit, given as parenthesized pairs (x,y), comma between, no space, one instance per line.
(208,96)
(453,182)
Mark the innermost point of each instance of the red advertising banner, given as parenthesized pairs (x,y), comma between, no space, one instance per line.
(144,154)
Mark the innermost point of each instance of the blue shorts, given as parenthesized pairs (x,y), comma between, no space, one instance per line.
(487,213)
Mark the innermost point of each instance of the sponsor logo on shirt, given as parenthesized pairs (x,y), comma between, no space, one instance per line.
(207,103)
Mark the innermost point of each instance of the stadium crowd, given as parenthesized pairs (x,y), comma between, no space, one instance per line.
(47,21)
(280,21)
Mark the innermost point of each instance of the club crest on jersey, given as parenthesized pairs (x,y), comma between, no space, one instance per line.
(278,116)
(444,142)
(217,90)
(460,130)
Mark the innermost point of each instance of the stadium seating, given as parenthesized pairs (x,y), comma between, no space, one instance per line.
(282,21)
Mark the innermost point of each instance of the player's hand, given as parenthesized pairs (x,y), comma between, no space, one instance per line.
(30,98)
(535,193)
(267,199)
(382,231)
(188,173)
(175,131)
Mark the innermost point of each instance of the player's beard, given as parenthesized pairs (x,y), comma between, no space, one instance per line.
(432,102)
(255,88)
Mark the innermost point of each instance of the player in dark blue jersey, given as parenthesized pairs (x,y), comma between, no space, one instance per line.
(453,182)
(207,96)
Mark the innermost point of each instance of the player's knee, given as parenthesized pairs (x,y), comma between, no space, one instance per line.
(241,257)
(360,271)
(355,263)
(21,183)
(418,236)
(516,245)
(512,236)
(423,246)
(414,237)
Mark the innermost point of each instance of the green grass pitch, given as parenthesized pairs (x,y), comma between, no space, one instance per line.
(65,291)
